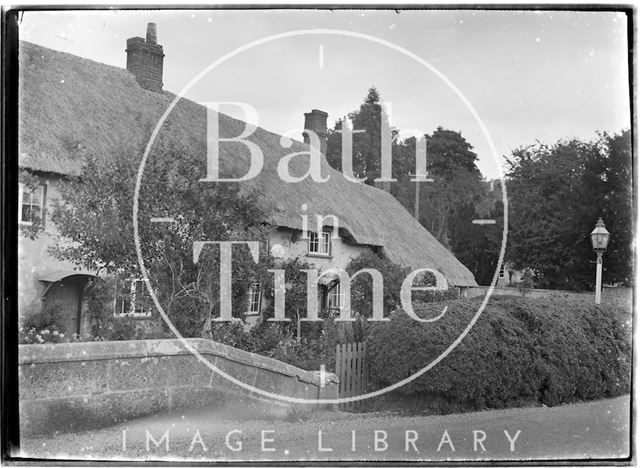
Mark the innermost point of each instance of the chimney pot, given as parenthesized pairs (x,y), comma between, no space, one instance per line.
(151,33)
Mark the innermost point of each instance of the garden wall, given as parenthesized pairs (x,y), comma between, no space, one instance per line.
(77,386)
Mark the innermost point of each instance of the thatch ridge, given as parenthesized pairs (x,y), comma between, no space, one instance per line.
(61,95)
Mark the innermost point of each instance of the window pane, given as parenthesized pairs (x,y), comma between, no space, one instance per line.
(26,196)
(31,204)
(313,242)
(254,298)
(119,306)
(26,213)
(335,297)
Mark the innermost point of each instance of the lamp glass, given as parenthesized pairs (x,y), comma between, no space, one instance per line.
(600,237)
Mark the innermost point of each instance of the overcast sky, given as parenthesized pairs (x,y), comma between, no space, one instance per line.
(530,75)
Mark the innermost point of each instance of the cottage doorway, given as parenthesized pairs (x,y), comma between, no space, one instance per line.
(66,294)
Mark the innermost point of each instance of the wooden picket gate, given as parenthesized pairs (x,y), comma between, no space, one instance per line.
(352,371)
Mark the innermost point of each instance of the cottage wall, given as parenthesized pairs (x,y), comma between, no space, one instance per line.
(341,251)
(33,257)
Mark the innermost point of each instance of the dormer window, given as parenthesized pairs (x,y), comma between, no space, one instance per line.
(30,204)
(320,244)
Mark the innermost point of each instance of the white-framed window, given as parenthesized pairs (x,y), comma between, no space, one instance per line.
(320,245)
(503,271)
(30,204)
(255,297)
(335,298)
(132,299)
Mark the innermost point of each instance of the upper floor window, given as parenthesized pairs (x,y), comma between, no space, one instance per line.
(30,204)
(320,245)
(255,296)
(503,271)
(132,299)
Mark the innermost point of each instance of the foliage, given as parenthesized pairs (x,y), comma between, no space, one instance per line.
(526,283)
(279,342)
(451,164)
(47,318)
(393,276)
(362,286)
(128,328)
(307,353)
(295,302)
(98,297)
(44,326)
(478,246)
(367,147)
(261,339)
(551,350)
(96,214)
(39,336)
(556,194)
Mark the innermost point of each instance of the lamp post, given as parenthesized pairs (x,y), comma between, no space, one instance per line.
(599,241)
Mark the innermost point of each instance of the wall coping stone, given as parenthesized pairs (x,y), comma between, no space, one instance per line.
(100,350)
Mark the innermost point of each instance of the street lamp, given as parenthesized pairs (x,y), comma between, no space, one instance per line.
(599,241)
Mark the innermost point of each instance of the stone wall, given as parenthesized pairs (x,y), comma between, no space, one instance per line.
(79,386)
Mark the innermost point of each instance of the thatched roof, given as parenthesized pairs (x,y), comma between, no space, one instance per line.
(67,102)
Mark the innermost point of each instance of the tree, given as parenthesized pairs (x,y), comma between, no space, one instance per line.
(368,125)
(556,193)
(95,214)
(362,288)
(457,181)
(477,246)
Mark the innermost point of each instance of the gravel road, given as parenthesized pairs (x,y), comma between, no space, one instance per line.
(598,429)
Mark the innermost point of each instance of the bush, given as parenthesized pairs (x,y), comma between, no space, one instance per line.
(127,328)
(278,341)
(47,318)
(106,327)
(41,336)
(393,276)
(261,339)
(549,350)
(308,354)
(526,285)
(43,326)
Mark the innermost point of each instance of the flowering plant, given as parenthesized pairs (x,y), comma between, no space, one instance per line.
(30,335)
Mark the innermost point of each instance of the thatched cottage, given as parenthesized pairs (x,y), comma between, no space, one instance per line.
(67,101)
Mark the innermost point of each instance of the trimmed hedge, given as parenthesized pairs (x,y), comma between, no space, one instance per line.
(549,350)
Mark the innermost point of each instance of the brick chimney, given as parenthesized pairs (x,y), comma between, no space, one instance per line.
(316,121)
(145,59)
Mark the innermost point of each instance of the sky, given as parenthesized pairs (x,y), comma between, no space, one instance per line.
(530,76)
